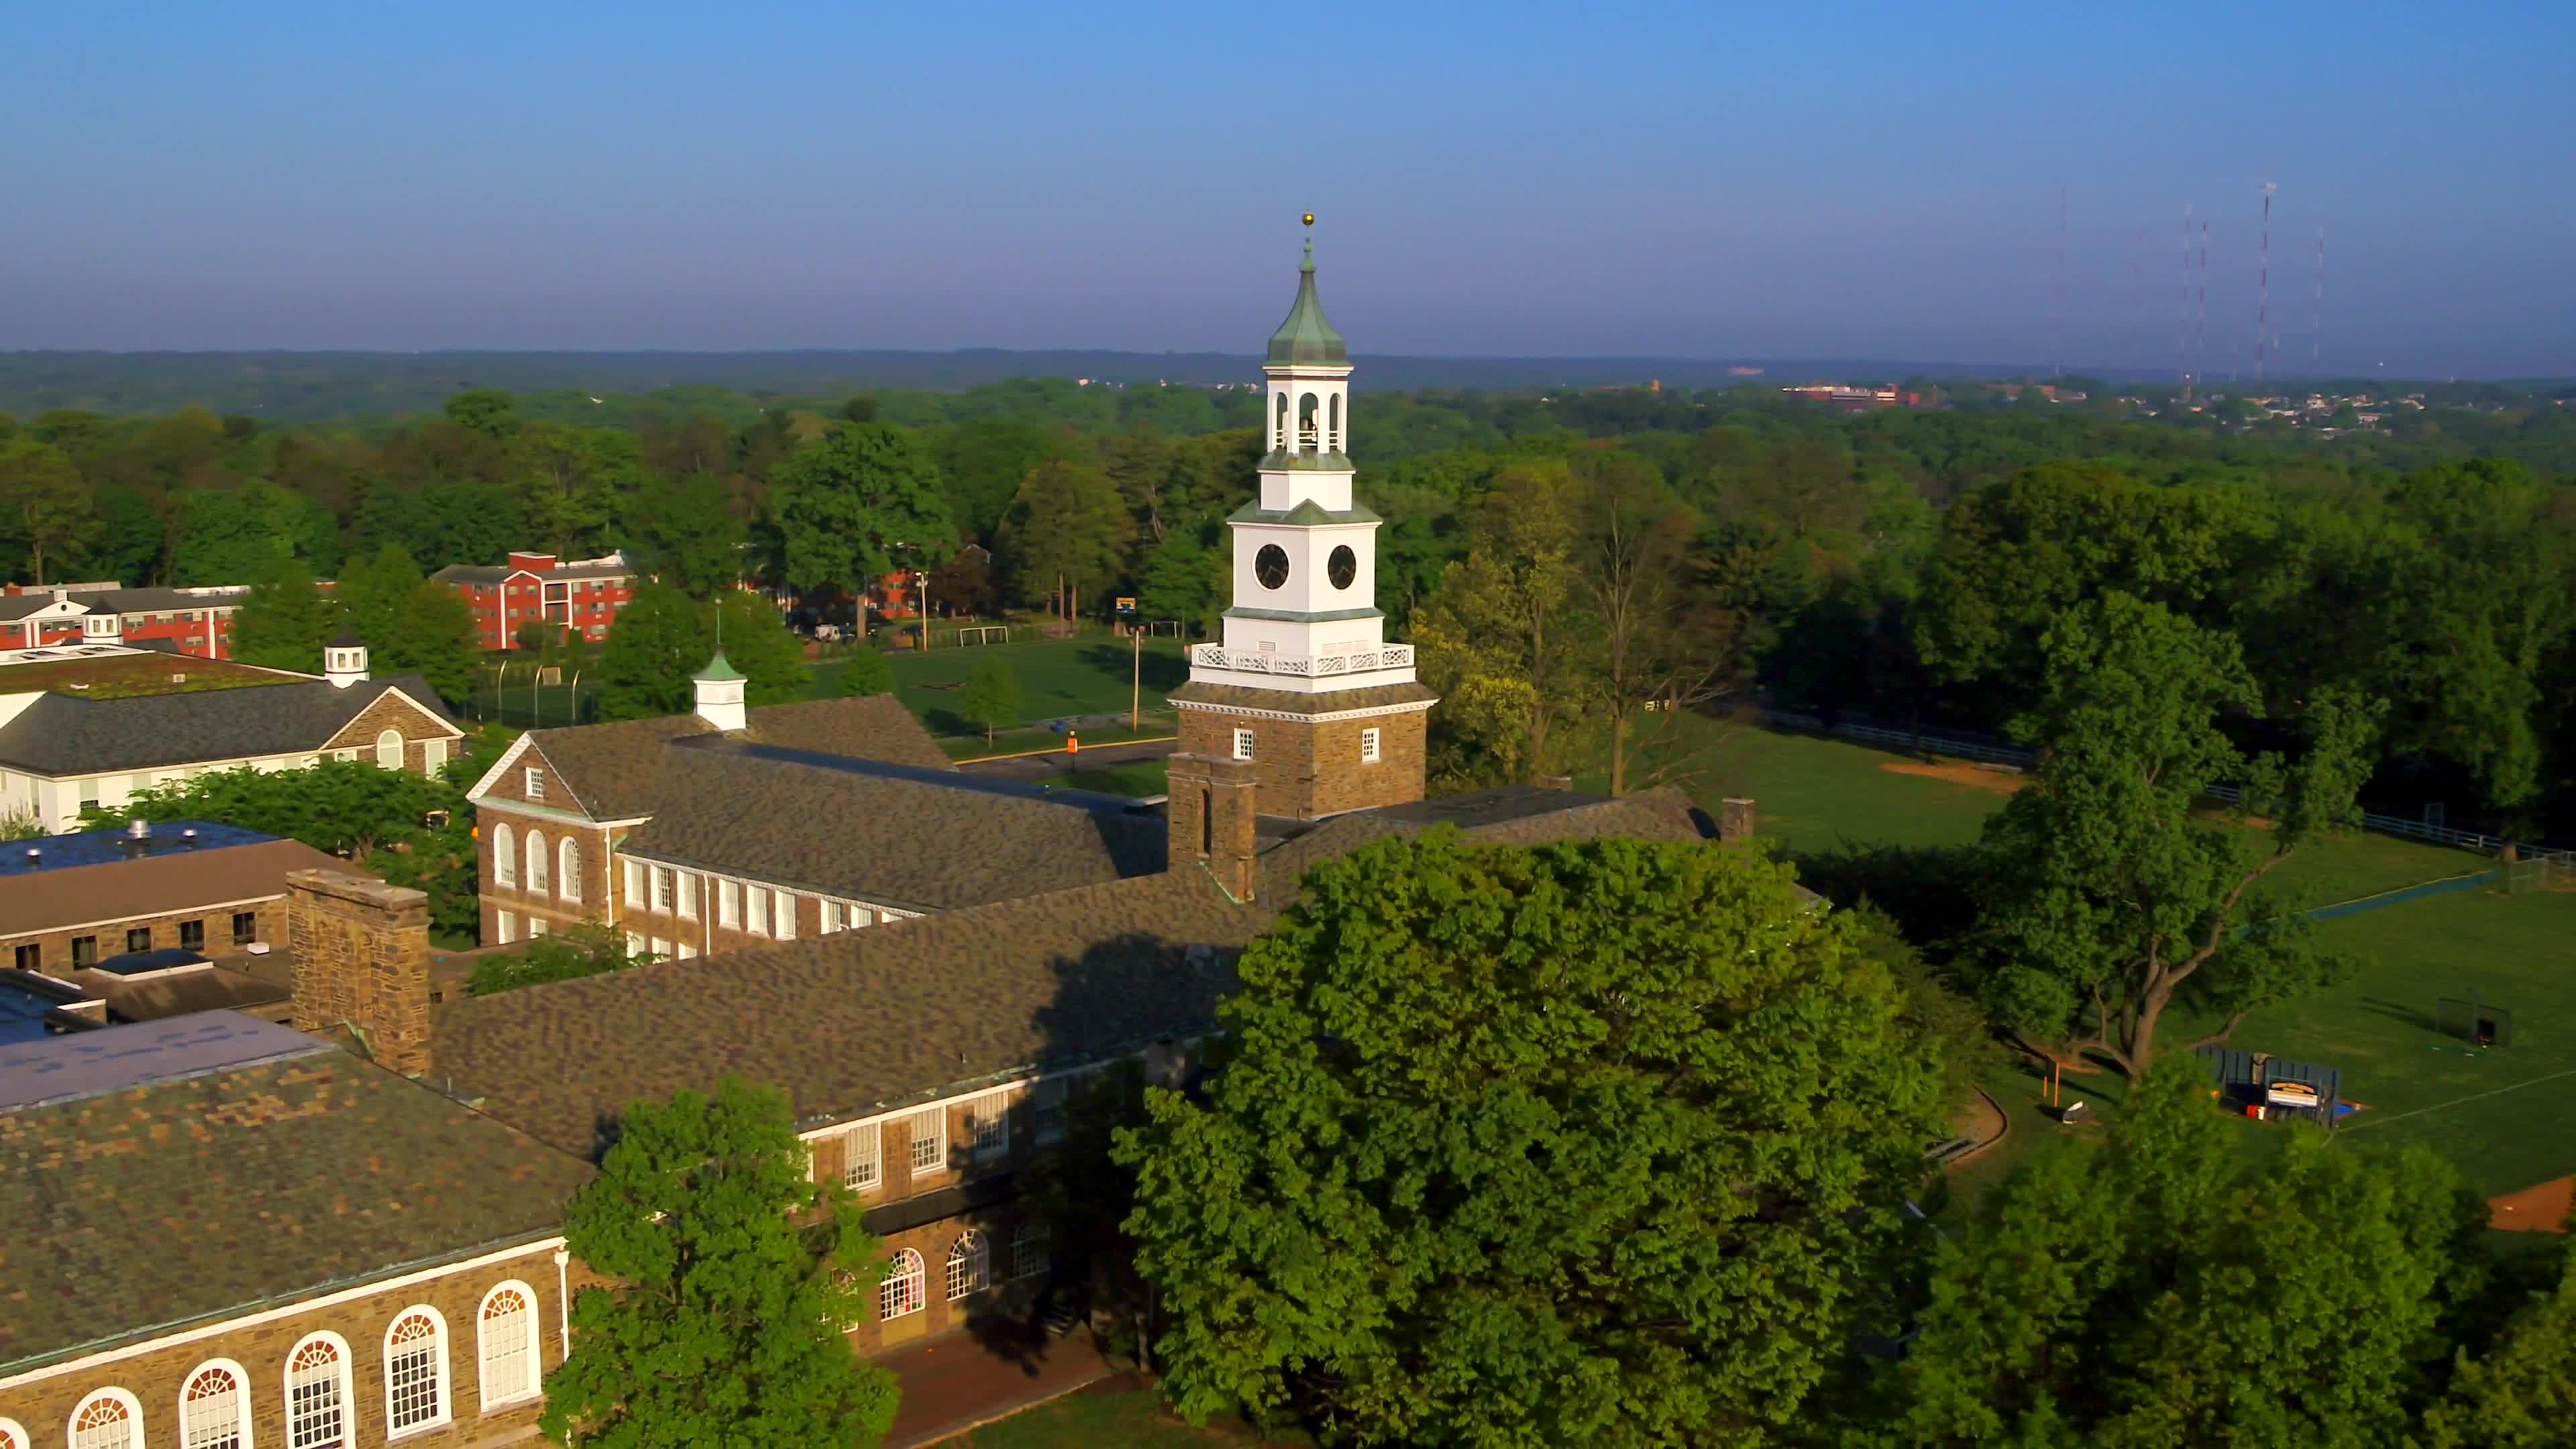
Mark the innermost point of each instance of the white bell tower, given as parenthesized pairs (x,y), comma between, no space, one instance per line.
(1302,689)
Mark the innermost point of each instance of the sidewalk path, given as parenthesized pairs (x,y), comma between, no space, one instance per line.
(1057,762)
(959,1380)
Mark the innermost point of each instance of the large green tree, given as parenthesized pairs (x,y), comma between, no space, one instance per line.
(687,533)
(991,695)
(1592,1143)
(285,619)
(1065,534)
(847,503)
(44,502)
(2109,898)
(2162,1289)
(735,1277)
(1508,640)
(663,638)
(2521,1394)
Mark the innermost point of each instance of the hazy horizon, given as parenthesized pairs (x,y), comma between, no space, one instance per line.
(1496,183)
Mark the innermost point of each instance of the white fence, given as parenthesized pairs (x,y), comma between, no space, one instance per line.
(1307,666)
(1935,742)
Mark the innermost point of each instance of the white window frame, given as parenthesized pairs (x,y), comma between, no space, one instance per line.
(1369,746)
(539,875)
(1032,1249)
(688,895)
(782,915)
(441,1410)
(927,1128)
(536,926)
(661,947)
(533,783)
(988,1125)
(666,889)
(393,737)
(1243,744)
(906,1289)
(505,924)
(635,900)
(344,1404)
(635,944)
(688,950)
(505,855)
(756,918)
(193,1435)
(831,921)
(345,756)
(729,903)
(133,1421)
(1048,1102)
(970,1265)
(13,1435)
(433,754)
(863,1157)
(494,1388)
(568,869)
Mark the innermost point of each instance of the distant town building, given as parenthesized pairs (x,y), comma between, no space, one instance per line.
(1854,399)
(574,595)
(96,722)
(198,621)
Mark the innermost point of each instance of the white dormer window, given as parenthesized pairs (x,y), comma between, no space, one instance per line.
(536,787)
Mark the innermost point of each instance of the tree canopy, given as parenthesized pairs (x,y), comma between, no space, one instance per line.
(734,1276)
(1595,1143)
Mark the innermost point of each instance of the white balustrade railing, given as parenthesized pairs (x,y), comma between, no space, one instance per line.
(1304,666)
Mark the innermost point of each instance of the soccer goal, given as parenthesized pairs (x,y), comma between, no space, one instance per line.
(2477,1022)
(984,634)
(1164,628)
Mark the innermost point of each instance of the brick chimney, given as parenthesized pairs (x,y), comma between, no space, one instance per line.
(1213,820)
(360,951)
(1734,820)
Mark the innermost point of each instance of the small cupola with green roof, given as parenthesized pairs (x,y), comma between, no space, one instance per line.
(719,693)
(1309,371)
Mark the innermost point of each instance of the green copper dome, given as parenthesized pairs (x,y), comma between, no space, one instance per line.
(719,669)
(1306,336)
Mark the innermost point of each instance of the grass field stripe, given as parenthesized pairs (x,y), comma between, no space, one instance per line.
(2463,1101)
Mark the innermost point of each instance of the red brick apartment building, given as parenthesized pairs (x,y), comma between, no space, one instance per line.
(195,622)
(581,595)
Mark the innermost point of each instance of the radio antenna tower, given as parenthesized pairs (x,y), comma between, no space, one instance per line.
(2317,303)
(2200,324)
(2263,293)
(2182,321)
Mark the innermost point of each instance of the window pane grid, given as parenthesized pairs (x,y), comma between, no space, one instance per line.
(862,1157)
(103,1423)
(313,1413)
(905,1289)
(929,1132)
(1029,1250)
(213,1412)
(412,1373)
(969,1266)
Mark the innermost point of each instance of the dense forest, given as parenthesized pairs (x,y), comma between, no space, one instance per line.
(1572,562)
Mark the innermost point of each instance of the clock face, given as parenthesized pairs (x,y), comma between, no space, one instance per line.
(1270,565)
(1342,567)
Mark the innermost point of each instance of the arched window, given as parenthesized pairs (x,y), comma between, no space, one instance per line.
(1279,426)
(506,1342)
(214,1408)
(317,1393)
(568,869)
(1306,440)
(13,1435)
(970,1265)
(415,1370)
(1333,424)
(906,1286)
(1030,1242)
(108,1419)
(389,746)
(537,863)
(505,857)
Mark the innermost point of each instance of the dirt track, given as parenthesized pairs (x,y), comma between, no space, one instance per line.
(2541,1209)
(1998,781)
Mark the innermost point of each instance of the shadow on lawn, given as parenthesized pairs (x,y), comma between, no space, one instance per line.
(2399,1011)
(1163,672)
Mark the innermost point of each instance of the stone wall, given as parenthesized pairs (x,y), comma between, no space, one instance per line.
(1308,769)
(597,879)
(54,948)
(391,712)
(261,1345)
(360,950)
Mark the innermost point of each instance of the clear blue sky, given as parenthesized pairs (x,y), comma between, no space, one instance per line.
(1701,180)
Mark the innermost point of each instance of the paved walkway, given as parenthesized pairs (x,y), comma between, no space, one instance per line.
(1057,762)
(959,1380)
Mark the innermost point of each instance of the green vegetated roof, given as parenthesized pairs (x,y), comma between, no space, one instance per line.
(1306,336)
(1307,511)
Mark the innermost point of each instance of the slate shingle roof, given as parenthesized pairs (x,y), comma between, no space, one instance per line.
(895,835)
(167,882)
(286,1178)
(877,1017)
(60,734)
(614,770)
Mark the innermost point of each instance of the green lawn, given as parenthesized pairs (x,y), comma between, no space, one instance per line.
(1058,677)
(1135,780)
(1121,1411)
(1025,741)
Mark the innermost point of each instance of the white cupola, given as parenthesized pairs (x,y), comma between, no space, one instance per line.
(344,659)
(102,625)
(719,693)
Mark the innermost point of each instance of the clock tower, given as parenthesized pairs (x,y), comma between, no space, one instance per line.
(1302,703)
